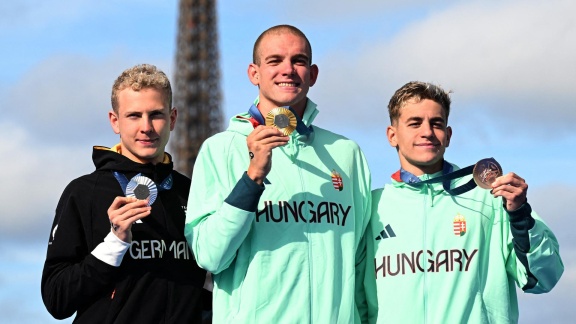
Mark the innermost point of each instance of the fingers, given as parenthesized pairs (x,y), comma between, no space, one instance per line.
(512,188)
(511,178)
(123,212)
(260,144)
(263,137)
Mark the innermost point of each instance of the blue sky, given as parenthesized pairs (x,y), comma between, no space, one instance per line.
(510,65)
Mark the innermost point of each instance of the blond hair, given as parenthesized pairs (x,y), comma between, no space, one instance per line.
(140,77)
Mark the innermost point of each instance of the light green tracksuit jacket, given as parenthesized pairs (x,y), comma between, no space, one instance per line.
(456,259)
(285,253)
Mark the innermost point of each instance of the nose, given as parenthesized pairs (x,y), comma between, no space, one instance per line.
(288,67)
(146,124)
(426,130)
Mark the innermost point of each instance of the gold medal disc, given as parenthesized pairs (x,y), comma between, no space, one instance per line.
(283,119)
(485,172)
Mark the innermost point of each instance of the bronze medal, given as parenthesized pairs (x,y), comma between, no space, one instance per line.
(283,119)
(485,172)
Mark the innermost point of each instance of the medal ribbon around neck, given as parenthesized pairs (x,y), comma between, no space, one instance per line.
(142,187)
(283,118)
(484,173)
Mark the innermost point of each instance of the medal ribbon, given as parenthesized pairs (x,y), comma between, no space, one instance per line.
(445,178)
(301,128)
(123,181)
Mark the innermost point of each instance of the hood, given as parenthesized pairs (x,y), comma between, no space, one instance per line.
(111,159)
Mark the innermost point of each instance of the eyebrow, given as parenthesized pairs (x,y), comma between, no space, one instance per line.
(278,56)
(301,56)
(156,110)
(420,119)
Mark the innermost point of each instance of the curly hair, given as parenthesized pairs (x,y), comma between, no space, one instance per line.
(417,91)
(140,77)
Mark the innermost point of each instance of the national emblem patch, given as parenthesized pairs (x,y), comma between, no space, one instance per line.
(337,181)
(459,225)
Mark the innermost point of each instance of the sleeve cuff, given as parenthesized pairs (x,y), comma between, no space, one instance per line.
(245,194)
(112,250)
(521,218)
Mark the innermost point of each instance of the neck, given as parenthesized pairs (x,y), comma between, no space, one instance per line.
(419,170)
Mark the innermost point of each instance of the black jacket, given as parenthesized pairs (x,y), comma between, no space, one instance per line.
(158,280)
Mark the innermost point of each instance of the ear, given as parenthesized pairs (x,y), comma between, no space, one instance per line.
(448,135)
(173,115)
(114,121)
(391,134)
(313,74)
(254,74)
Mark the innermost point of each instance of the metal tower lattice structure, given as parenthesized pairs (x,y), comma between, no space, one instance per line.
(196,81)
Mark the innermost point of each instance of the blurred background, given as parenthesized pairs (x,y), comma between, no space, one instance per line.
(510,64)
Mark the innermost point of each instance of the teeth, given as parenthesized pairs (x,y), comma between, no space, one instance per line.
(286,84)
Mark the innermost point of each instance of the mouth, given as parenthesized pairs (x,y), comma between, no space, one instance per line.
(428,145)
(288,84)
(147,141)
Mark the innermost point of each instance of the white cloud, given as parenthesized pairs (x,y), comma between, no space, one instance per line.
(509,49)
(33,179)
(511,62)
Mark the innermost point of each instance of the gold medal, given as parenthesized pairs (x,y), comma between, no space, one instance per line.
(485,172)
(283,119)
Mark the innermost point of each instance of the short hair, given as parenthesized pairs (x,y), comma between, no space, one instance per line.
(278,30)
(140,77)
(418,91)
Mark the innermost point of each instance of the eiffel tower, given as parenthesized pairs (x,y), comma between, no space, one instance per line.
(196,82)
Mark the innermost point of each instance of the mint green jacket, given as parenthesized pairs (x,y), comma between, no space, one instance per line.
(288,252)
(456,259)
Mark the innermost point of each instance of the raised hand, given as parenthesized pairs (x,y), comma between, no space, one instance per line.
(512,188)
(123,212)
(260,144)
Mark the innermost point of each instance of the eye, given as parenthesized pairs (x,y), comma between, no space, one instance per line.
(157,115)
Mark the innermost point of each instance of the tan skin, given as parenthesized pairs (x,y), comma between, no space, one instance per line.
(144,122)
(283,77)
(421,136)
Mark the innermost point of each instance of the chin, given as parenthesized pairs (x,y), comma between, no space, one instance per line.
(148,156)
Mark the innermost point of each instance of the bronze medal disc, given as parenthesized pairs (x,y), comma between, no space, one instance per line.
(485,172)
(283,119)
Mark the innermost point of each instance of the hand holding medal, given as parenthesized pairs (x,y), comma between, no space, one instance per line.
(141,192)
(511,187)
(280,122)
(123,212)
